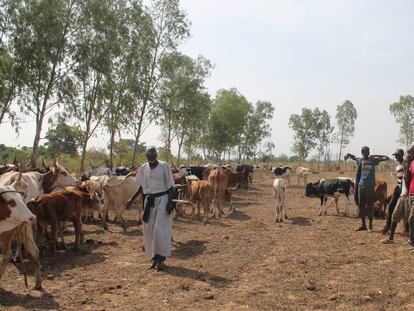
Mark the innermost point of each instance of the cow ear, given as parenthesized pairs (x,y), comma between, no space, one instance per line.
(21,193)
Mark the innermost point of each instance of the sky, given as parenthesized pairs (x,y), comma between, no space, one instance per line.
(299,54)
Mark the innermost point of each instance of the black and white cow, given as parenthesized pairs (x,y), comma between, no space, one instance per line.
(326,188)
(283,172)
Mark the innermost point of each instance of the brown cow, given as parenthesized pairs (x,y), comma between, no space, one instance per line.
(65,205)
(380,198)
(247,170)
(219,182)
(238,179)
(201,193)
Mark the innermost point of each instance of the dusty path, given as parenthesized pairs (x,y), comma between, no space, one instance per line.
(241,262)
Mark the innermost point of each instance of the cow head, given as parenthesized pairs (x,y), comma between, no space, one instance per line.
(13,210)
(312,190)
(57,177)
(63,178)
(20,185)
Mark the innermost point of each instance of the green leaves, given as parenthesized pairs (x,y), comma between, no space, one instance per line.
(403,112)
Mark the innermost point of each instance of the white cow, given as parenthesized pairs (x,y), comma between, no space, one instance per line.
(15,221)
(279,195)
(117,191)
(303,172)
(56,179)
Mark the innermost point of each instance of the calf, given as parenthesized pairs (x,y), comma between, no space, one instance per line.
(64,205)
(325,188)
(380,198)
(201,194)
(283,172)
(238,179)
(279,195)
(219,183)
(302,173)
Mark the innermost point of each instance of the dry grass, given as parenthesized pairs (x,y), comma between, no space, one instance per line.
(244,261)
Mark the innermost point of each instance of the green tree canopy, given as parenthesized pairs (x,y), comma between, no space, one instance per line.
(403,112)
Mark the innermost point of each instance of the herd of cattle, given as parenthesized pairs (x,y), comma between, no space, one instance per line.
(324,189)
(31,200)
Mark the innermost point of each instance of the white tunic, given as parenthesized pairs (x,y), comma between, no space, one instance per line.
(157,231)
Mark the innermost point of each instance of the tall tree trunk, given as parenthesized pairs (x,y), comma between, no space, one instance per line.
(111,148)
(39,122)
(83,155)
(319,160)
(180,144)
(138,131)
(340,150)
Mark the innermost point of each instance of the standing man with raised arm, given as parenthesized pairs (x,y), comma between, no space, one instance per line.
(156,182)
(399,157)
(365,185)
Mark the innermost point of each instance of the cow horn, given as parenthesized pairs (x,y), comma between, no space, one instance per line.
(43,163)
(19,178)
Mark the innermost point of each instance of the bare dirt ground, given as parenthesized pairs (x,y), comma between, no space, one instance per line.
(244,261)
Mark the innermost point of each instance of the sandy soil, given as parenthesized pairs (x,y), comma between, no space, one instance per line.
(244,261)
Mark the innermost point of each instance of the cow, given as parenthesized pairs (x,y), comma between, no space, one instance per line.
(16,221)
(65,205)
(117,191)
(201,194)
(279,195)
(197,171)
(247,170)
(325,188)
(303,173)
(122,171)
(283,172)
(97,171)
(37,183)
(238,179)
(380,197)
(219,182)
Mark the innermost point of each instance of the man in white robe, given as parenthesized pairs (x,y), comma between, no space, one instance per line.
(156,181)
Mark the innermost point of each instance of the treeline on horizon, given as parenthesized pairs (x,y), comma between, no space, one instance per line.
(85,67)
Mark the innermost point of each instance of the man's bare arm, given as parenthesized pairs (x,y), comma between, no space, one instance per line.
(380,158)
(350,156)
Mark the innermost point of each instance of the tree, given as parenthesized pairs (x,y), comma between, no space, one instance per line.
(403,112)
(38,32)
(305,133)
(63,139)
(97,46)
(256,129)
(182,96)
(229,115)
(346,115)
(10,81)
(165,28)
(323,133)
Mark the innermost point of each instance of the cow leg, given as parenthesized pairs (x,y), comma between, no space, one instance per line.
(55,227)
(78,232)
(283,205)
(5,243)
(280,211)
(32,253)
(321,206)
(105,215)
(347,203)
(206,211)
(336,205)
(276,206)
(61,237)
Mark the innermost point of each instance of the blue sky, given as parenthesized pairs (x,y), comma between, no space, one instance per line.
(303,54)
